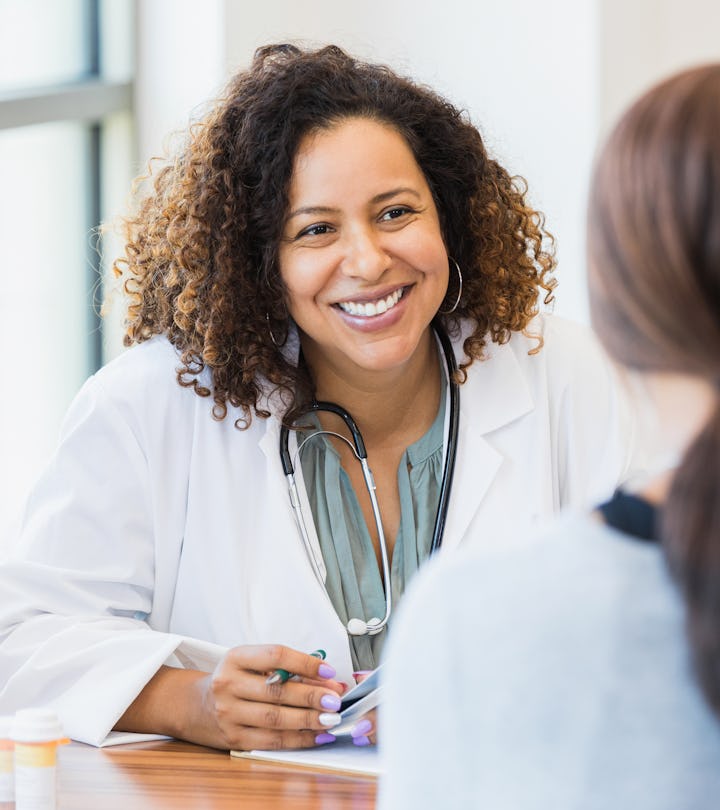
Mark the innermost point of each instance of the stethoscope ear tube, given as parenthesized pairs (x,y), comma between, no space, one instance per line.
(285,459)
(453,430)
(360,450)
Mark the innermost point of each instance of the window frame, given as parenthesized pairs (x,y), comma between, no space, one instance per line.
(87,100)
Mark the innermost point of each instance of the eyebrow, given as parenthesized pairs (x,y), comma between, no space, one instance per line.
(378,198)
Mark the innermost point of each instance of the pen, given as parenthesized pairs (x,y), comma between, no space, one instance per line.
(282,675)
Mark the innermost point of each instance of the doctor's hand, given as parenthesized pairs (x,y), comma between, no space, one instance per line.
(234,708)
(364,732)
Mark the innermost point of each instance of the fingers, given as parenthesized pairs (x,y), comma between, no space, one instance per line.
(249,686)
(251,713)
(364,731)
(276,656)
(248,739)
(338,686)
(284,717)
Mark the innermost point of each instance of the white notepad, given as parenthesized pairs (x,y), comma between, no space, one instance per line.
(341,755)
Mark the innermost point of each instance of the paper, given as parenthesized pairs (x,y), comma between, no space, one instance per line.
(352,713)
(126,737)
(367,685)
(338,756)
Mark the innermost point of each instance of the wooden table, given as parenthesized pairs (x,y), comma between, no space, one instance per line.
(171,774)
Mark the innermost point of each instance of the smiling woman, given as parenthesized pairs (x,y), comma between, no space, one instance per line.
(362,255)
(330,232)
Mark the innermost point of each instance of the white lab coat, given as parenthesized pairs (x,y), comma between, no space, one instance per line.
(160,535)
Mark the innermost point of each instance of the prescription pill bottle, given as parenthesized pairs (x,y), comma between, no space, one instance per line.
(7,777)
(37,734)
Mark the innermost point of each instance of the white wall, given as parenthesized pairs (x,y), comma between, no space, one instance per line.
(520,68)
(641,41)
(179,66)
(541,80)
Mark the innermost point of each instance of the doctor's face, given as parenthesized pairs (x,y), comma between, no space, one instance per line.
(362,256)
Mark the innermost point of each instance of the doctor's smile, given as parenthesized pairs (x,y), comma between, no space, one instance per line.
(377,312)
(372,306)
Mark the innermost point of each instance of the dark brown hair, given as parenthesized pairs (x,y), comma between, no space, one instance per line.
(654,255)
(200,262)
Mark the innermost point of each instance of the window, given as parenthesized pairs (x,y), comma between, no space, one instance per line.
(65,162)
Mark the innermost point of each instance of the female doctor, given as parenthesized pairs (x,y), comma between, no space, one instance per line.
(324,230)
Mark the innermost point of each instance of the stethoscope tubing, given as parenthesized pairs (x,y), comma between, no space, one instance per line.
(453,431)
(374,626)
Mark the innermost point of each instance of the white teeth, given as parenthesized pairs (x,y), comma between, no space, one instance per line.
(370,308)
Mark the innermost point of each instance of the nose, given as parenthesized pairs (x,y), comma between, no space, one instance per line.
(365,256)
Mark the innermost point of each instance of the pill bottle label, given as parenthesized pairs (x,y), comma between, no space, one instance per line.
(35,788)
(35,776)
(35,755)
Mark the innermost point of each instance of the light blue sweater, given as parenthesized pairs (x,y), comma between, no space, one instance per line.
(548,676)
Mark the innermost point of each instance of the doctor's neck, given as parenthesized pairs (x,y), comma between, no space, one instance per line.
(383,399)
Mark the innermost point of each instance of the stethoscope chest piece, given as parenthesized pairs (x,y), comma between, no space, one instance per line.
(357,627)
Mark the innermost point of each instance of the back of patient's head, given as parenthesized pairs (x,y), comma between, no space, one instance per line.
(654,229)
(654,277)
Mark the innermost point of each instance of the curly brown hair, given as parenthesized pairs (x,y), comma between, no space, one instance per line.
(201,259)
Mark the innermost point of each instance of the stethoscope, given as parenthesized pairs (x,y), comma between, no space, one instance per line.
(358,627)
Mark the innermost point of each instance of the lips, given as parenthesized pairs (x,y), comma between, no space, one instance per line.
(368,309)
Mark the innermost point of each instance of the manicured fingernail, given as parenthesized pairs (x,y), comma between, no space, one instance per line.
(361,673)
(324,738)
(326,671)
(361,728)
(329,720)
(331,702)
(361,741)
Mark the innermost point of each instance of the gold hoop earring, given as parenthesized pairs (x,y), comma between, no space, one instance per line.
(460,289)
(278,344)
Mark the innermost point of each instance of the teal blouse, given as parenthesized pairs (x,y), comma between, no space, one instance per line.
(354,580)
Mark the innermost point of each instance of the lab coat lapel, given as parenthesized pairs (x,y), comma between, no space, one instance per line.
(495,394)
(270,445)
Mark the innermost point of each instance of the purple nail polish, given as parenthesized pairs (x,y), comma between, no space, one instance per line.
(326,671)
(361,741)
(361,728)
(324,738)
(331,702)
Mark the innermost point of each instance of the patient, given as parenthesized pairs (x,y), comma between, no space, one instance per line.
(581,669)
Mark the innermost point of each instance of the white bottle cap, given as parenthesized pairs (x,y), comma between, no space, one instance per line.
(36,725)
(6,724)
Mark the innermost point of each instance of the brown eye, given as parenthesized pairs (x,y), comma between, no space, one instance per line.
(396,212)
(314,230)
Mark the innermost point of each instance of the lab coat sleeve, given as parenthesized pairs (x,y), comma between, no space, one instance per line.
(81,580)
